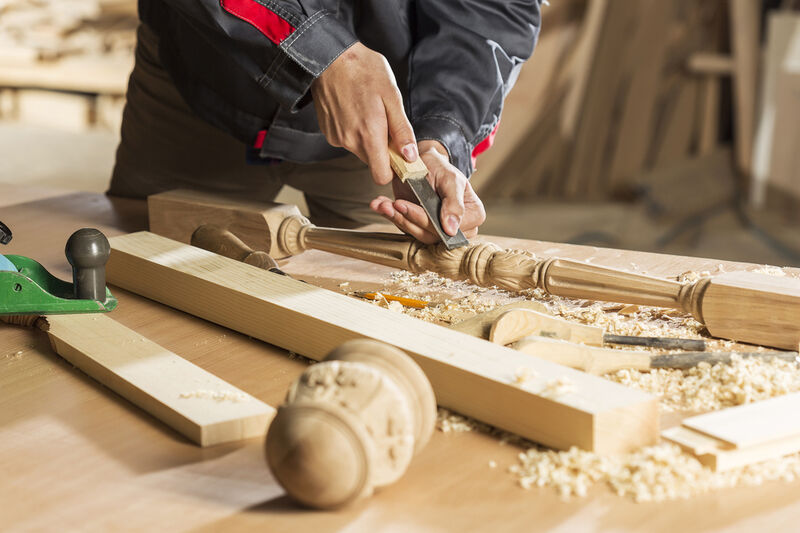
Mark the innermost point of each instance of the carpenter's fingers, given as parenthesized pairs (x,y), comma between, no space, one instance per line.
(415,214)
(412,229)
(383,206)
(400,130)
(377,154)
(451,187)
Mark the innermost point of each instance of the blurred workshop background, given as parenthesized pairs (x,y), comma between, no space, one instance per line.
(655,125)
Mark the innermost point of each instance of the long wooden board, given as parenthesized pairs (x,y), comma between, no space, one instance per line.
(192,401)
(469,375)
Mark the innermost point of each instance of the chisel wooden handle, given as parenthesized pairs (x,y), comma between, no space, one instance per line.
(223,242)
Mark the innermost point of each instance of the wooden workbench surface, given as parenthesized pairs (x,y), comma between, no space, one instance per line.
(74,456)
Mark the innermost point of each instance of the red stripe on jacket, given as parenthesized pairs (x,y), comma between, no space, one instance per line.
(274,28)
(484,145)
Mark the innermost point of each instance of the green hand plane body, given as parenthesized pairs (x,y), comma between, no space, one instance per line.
(33,290)
(27,288)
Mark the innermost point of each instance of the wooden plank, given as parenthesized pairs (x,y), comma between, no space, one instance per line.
(55,109)
(638,115)
(469,375)
(745,17)
(190,400)
(780,29)
(784,165)
(677,139)
(82,74)
(719,456)
(752,424)
(587,172)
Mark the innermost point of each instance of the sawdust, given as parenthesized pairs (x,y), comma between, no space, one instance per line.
(216,395)
(650,474)
(706,387)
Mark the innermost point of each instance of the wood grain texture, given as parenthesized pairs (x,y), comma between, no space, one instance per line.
(516,324)
(469,375)
(70,451)
(589,359)
(187,398)
(177,214)
(404,169)
(481,325)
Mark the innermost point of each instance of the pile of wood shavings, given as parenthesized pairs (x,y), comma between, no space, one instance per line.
(651,474)
(655,473)
(707,388)
(451,301)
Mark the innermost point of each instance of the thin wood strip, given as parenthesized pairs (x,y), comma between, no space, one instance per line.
(752,424)
(190,400)
(716,455)
(469,375)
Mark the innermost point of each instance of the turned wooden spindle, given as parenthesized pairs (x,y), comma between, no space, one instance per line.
(742,306)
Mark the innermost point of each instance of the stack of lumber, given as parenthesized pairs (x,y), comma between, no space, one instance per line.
(65,64)
(741,435)
(607,96)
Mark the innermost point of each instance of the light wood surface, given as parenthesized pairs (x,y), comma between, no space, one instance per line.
(751,424)
(516,324)
(177,214)
(404,169)
(468,375)
(589,359)
(76,456)
(187,398)
(719,455)
(481,325)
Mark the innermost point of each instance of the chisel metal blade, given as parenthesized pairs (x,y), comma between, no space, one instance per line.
(432,205)
(416,176)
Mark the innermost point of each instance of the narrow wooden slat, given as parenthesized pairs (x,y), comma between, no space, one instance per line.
(752,424)
(190,400)
(469,375)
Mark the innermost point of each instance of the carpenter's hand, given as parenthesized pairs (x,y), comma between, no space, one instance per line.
(461,207)
(359,107)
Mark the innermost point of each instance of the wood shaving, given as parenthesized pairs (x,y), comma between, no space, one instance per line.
(217,396)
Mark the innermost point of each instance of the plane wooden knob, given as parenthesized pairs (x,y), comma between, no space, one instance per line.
(350,424)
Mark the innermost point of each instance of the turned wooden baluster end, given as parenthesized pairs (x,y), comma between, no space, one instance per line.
(350,424)
(748,307)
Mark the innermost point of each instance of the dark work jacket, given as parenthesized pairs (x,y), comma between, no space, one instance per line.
(246,66)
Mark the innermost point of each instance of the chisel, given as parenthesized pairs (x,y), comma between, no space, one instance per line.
(415,175)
